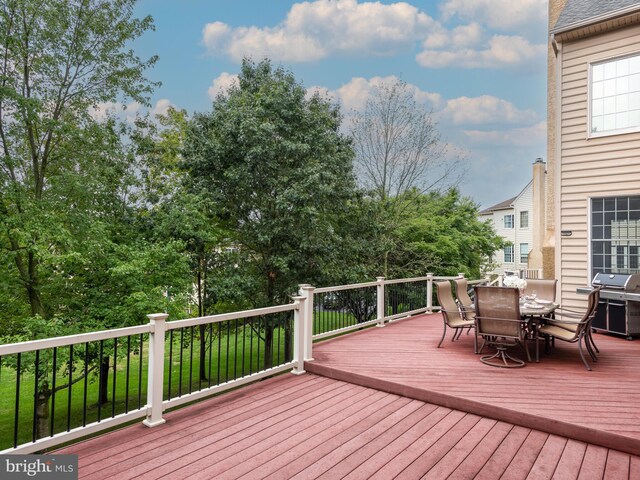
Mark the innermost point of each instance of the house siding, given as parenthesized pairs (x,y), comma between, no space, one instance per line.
(516,235)
(590,167)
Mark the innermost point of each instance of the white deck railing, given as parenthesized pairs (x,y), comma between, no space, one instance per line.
(394,299)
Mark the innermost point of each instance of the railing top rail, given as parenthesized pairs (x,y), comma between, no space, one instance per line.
(221,317)
(345,287)
(30,346)
(407,280)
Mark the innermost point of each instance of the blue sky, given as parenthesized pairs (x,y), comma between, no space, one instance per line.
(480,65)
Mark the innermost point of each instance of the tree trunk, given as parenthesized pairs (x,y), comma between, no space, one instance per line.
(42,411)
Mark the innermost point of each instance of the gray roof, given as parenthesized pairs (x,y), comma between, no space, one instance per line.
(498,206)
(577,12)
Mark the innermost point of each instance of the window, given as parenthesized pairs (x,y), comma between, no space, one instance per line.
(614,96)
(508,221)
(524,220)
(615,234)
(524,253)
(508,254)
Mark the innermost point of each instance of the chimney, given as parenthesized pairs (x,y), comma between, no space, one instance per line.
(538,213)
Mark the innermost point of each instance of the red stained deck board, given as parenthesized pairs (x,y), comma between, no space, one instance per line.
(557,395)
(320,427)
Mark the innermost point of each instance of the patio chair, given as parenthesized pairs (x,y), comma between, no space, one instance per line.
(544,289)
(568,327)
(451,314)
(464,300)
(499,323)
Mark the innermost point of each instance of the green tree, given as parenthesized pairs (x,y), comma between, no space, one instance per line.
(443,235)
(58,58)
(279,173)
(400,150)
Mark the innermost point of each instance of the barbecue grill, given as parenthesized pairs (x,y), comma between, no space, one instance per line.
(619,306)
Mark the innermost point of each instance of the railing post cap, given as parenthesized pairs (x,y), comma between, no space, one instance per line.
(380,279)
(158,317)
(461,275)
(429,275)
(298,298)
(306,286)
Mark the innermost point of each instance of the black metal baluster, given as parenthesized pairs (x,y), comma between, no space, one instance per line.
(201,355)
(86,383)
(100,381)
(210,352)
(219,349)
(280,330)
(126,387)
(16,419)
(181,353)
(191,360)
(258,355)
(140,374)
(244,338)
(70,386)
(170,362)
(250,347)
(53,389)
(226,367)
(235,352)
(35,394)
(113,386)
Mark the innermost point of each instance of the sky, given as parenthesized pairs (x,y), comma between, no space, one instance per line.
(478,65)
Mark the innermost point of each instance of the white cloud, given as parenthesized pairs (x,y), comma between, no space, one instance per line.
(485,109)
(221,84)
(129,111)
(501,51)
(315,29)
(534,135)
(498,14)
(161,107)
(103,110)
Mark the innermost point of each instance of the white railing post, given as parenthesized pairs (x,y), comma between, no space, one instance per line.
(307,292)
(299,322)
(487,279)
(430,292)
(155,374)
(380,301)
(540,273)
(461,275)
(501,280)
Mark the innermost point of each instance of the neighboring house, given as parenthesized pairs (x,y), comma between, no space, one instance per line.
(511,220)
(593,200)
(519,220)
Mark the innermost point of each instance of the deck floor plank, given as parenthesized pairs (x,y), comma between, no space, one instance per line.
(363,418)
(543,395)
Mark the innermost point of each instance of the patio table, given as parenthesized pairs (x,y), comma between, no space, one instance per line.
(533,311)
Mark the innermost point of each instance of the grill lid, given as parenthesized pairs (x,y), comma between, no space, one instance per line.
(618,281)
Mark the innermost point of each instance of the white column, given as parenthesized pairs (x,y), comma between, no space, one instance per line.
(155,373)
(380,303)
(307,292)
(501,280)
(429,292)
(299,323)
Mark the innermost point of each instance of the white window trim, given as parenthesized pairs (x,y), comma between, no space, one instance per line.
(520,220)
(608,133)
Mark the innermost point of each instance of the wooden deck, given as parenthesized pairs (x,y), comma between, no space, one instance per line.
(557,395)
(313,426)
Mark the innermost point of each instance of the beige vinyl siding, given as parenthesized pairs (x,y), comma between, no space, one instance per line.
(590,167)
